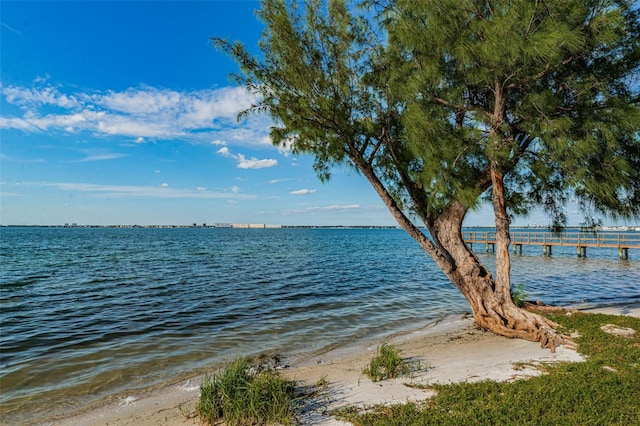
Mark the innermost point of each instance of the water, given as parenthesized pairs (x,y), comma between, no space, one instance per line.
(89,315)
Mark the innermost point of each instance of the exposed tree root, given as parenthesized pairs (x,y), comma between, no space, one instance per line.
(519,323)
(542,308)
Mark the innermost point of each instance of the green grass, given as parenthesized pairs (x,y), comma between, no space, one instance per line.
(519,295)
(386,364)
(604,390)
(242,394)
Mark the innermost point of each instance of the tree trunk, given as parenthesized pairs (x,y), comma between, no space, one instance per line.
(491,303)
(503,239)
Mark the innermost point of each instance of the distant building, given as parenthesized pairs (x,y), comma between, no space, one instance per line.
(254,226)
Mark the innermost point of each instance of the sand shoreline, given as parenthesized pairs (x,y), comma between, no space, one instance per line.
(453,349)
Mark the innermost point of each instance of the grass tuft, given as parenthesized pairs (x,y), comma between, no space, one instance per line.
(519,295)
(387,364)
(246,395)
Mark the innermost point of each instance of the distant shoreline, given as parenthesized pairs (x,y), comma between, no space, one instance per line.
(621,228)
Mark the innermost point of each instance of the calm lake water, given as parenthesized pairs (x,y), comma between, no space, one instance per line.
(89,315)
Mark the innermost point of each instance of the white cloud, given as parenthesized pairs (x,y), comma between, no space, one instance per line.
(32,122)
(224,151)
(303,192)
(101,157)
(201,188)
(165,185)
(274,181)
(10,28)
(285,145)
(147,100)
(335,207)
(127,126)
(29,98)
(42,79)
(254,163)
(17,123)
(8,158)
(132,191)
(142,113)
(244,163)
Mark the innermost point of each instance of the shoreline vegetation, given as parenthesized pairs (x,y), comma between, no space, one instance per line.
(451,351)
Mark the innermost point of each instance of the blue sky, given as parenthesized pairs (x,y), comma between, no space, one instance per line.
(123,113)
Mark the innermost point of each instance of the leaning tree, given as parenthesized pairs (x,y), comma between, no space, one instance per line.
(444,104)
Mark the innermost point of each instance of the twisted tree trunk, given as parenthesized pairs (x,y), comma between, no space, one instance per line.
(490,300)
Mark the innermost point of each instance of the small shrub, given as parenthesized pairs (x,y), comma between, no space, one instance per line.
(387,364)
(246,395)
(519,295)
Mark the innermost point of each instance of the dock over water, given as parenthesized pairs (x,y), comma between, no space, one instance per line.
(547,240)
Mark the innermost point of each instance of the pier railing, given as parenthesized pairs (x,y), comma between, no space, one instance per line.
(547,240)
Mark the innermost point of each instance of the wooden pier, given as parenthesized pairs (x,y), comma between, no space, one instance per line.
(548,240)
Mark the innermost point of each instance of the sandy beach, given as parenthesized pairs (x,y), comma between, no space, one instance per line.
(452,350)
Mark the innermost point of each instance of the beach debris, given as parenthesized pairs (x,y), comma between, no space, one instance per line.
(616,330)
(189,386)
(128,400)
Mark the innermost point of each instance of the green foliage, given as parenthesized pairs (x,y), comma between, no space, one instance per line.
(387,364)
(245,395)
(424,96)
(601,390)
(309,77)
(519,295)
(441,104)
(532,81)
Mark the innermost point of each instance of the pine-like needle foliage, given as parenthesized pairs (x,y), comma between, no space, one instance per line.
(426,97)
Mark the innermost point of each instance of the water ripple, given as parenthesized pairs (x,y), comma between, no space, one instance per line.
(88,313)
